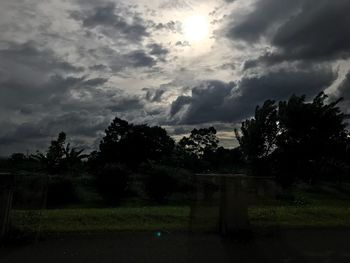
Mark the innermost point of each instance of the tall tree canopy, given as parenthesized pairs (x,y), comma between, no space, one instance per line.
(297,136)
(133,144)
(200,142)
(258,135)
(60,157)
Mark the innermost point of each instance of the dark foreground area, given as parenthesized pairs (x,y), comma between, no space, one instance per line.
(293,245)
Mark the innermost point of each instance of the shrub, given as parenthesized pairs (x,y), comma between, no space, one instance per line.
(61,191)
(159,183)
(112,181)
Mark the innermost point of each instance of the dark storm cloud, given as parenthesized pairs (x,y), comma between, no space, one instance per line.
(126,23)
(139,58)
(157,50)
(37,135)
(172,26)
(95,82)
(99,67)
(205,102)
(344,92)
(120,61)
(344,88)
(299,30)
(179,103)
(126,104)
(319,32)
(18,94)
(27,57)
(182,44)
(266,13)
(154,95)
(176,4)
(216,101)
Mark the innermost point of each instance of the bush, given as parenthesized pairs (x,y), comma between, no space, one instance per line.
(159,183)
(112,182)
(61,191)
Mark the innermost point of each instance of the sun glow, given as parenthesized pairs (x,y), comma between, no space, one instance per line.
(196,28)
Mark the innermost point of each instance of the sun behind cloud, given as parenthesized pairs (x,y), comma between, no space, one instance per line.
(196,28)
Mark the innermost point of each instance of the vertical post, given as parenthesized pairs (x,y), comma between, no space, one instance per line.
(6,193)
(233,206)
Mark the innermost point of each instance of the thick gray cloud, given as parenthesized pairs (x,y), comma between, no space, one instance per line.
(182,44)
(23,61)
(344,88)
(299,30)
(126,104)
(179,103)
(266,14)
(126,24)
(172,26)
(176,4)
(53,93)
(319,32)
(30,55)
(158,50)
(74,65)
(344,92)
(154,95)
(37,135)
(139,58)
(216,101)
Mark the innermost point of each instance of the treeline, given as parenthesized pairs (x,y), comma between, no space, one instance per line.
(293,140)
(296,140)
(132,160)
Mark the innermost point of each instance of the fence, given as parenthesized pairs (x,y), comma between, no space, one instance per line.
(22,198)
(221,201)
(6,194)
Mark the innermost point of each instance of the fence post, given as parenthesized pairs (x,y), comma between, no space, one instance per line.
(6,193)
(233,205)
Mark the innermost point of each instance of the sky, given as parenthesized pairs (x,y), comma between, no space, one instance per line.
(74,65)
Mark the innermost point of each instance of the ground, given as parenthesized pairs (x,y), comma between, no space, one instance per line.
(313,226)
(293,245)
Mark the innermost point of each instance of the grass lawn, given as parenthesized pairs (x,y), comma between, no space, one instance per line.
(323,206)
(170,218)
(88,220)
(303,216)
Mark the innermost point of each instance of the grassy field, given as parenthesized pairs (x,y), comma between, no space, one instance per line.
(322,206)
(170,218)
(102,219)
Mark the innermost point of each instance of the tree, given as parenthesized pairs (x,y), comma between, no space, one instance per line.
(112,181)
(311,136)
(200,142)
(257,138)
(226,160)
(159,182)
(72,159)
(195,151)
(297,138)
(258,135)
(60,157)
(16,158)
(133,144)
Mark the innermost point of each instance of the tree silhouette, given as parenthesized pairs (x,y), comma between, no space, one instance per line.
(258,135)
(133,144)
(200,142)
(297,138)
(310,136)
(60,157)
(196,151)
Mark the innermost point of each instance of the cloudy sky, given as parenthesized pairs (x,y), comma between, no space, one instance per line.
(73,65)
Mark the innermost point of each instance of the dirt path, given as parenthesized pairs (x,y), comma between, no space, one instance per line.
(319,246)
